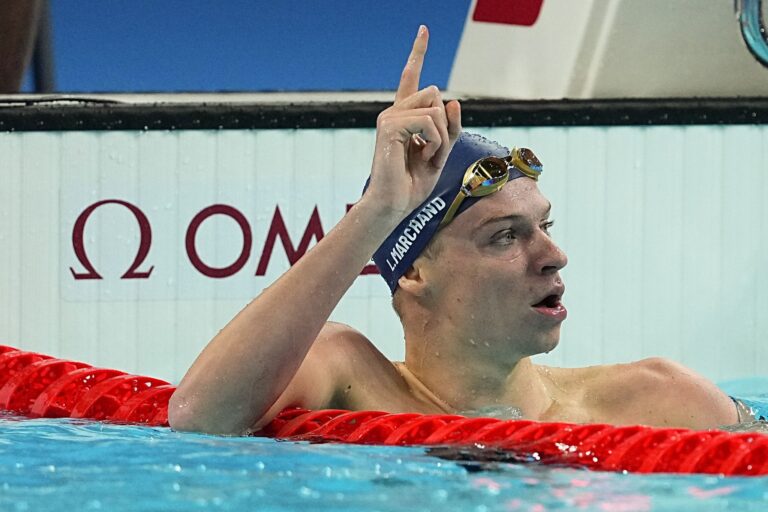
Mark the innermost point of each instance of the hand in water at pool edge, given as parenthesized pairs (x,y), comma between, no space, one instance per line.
(482,295)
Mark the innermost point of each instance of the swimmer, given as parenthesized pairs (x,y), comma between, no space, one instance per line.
(464,243)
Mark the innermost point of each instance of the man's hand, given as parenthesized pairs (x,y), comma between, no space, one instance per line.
(413,139)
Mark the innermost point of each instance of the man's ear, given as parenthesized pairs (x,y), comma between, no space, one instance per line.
(413,280)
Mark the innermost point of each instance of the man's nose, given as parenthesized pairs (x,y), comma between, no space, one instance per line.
(550,257)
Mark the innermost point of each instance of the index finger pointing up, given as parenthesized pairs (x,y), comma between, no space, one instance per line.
(409,80)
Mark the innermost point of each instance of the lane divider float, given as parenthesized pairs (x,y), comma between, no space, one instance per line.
(40,386)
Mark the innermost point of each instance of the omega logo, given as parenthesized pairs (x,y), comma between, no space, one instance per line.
(277,230)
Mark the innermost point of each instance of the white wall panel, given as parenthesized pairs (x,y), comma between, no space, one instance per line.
(666,230)
(10,239)
(38,244)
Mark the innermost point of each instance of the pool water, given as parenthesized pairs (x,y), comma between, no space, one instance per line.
(79,465)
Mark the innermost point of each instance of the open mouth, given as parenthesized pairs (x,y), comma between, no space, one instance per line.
(550,301)
(551,307)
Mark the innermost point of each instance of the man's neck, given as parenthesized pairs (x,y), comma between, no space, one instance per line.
(460,379)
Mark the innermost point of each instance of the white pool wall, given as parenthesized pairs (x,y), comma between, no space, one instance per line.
(666,229)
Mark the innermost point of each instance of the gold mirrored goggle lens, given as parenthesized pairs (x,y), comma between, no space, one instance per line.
(525,161)
(485,177)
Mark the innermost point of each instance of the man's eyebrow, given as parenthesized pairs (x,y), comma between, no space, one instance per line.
(503,218)
(513,217)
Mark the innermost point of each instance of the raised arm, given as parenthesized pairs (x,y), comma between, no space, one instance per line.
(249,364)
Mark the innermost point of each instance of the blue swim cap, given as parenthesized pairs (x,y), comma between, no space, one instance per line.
(411,236)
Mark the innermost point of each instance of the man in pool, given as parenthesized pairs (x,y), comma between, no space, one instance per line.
(476,283)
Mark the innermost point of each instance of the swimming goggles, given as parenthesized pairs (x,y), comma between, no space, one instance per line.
(489,174)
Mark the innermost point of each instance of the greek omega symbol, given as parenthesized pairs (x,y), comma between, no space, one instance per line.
(78,242)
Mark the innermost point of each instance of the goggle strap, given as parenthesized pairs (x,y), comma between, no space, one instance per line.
(451,213)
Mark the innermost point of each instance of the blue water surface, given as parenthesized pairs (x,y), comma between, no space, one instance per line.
(77,465)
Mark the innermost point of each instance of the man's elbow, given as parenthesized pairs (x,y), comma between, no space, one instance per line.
(182,417)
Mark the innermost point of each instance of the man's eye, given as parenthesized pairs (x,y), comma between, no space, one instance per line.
(505,236)
(547,226)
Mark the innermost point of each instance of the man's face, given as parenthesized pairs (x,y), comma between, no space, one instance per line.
(496,275)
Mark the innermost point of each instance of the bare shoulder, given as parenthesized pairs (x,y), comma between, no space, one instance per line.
(353,356)
(345,347)
(364,377)
(661,392)
(338,350)
(340,355)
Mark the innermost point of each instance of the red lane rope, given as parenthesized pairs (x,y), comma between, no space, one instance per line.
(37,385)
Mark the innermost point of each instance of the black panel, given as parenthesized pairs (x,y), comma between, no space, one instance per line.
(110,115)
